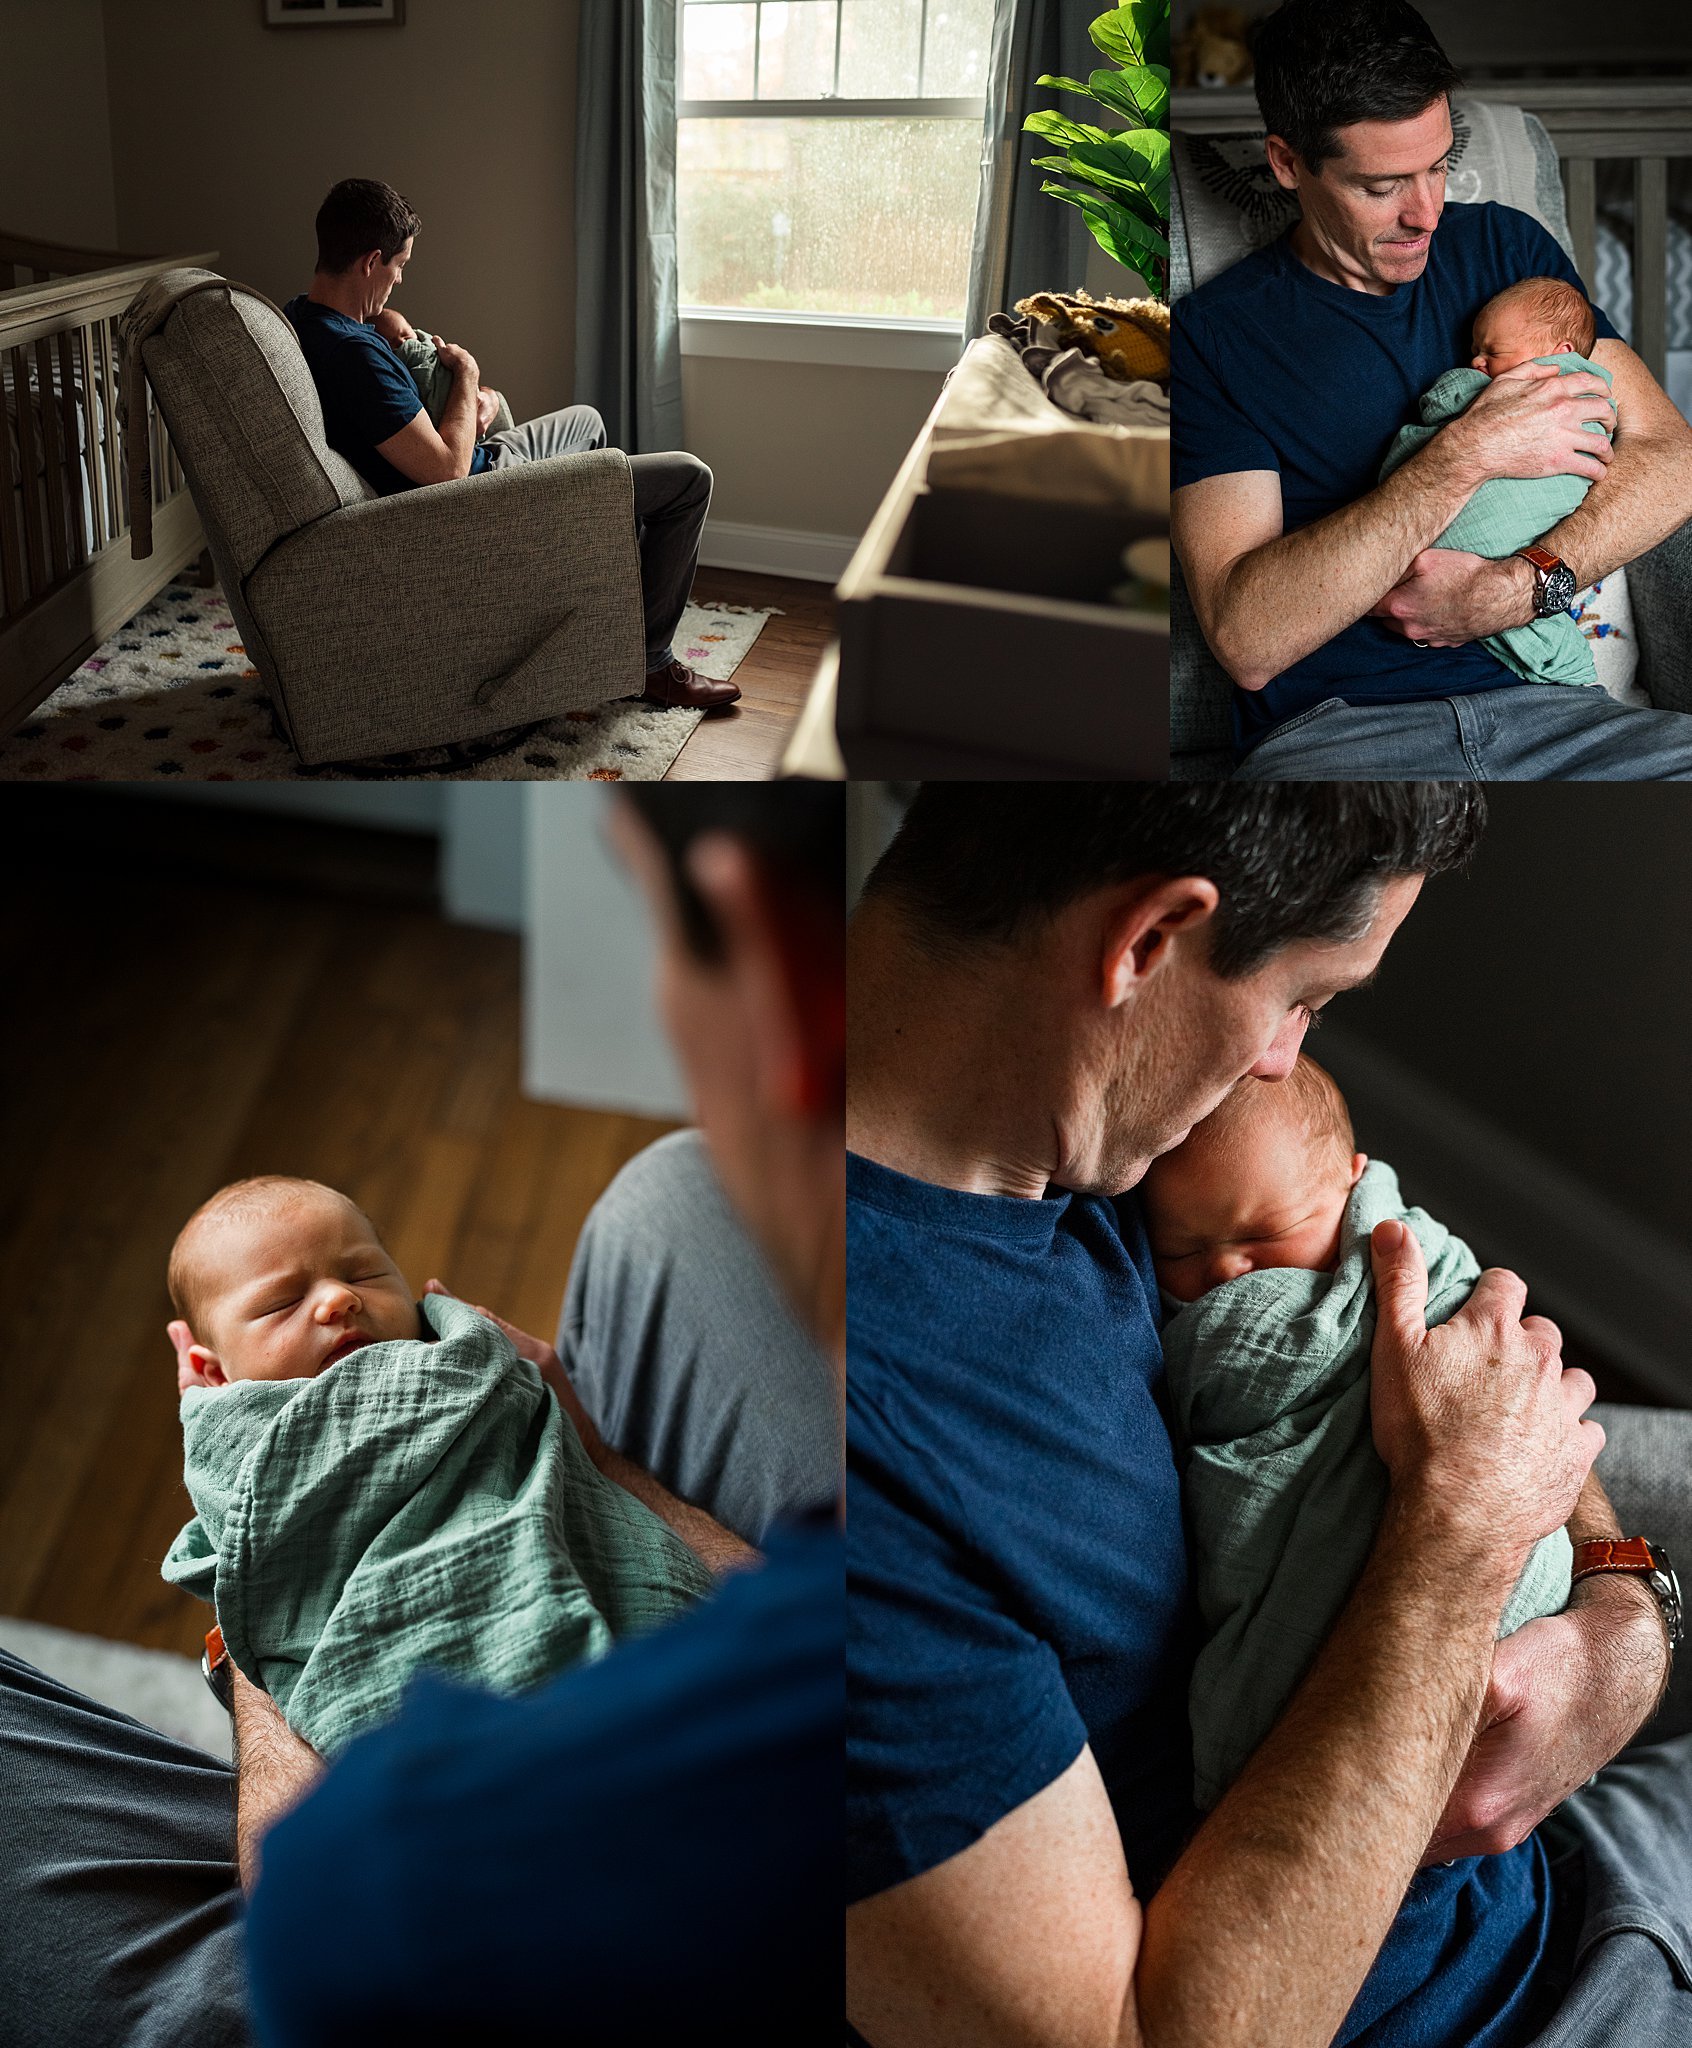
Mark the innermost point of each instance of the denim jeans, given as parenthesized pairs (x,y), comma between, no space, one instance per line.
(1527,732)
(672,494)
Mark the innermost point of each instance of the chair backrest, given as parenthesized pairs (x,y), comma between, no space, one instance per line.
(244,416)
(1224,203)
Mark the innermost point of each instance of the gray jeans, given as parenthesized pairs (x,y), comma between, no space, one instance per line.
(1528,732)
(672,494)
(119,1904)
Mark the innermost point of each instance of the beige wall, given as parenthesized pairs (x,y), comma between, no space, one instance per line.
(804,446)
(467,110)
(55,147)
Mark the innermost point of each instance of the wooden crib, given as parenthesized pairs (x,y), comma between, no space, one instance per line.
(66,578)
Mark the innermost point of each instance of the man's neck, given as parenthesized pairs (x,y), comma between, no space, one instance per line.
(340,294)
(1321,257)
(945,1086)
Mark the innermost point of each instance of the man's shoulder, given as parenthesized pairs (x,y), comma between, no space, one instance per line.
(1483,230)
(1231,290)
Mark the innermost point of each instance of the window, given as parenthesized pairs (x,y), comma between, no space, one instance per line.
(828,165)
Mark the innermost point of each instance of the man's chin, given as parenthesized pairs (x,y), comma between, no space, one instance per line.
(1395,264)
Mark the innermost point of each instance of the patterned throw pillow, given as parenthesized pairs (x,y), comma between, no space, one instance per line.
(1605,616)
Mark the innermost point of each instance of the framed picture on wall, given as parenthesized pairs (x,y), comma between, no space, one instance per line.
(332,13)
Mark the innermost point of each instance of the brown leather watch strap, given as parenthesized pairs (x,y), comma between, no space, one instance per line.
(215,1651)
(1632,1554)
(1541,558)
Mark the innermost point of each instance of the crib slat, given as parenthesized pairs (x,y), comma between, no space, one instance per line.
(29,461)
(53,448)
(11,540)
(1580,181)
(76,489)
(110,438)
(93,408)
(1650,263)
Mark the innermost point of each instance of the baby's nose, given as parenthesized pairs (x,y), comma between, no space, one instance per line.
(1228,1262)
(335,1301)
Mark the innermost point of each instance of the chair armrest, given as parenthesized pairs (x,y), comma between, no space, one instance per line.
(1660,589)
(439,602)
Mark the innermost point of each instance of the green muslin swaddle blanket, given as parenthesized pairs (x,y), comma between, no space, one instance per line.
(1508,513)
(1281,1483)
(416,1505)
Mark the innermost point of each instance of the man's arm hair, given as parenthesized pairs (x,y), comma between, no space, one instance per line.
(274,1770)
(717,1548)
(425,455)
(1647,492)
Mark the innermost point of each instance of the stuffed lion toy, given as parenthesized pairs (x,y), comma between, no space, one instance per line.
(1130,337)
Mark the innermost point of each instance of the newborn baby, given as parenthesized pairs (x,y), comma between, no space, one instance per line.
(382,1486)
(432,377)
(1540,319)
(1260,1225)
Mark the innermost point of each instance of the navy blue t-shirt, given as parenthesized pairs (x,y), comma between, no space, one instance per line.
(1017,1577)
(646,1849)
(1276,368)
(365,390)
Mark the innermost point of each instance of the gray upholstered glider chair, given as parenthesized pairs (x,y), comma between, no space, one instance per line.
(381,625)
(1224,203)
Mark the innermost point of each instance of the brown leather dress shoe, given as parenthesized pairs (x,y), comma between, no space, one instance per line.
(678,688)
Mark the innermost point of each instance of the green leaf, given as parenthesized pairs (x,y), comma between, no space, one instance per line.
(1059,128)
(1131,242)
(1071,84)
(1122,91)
(1053,163)
(1149,84)
(1117,34)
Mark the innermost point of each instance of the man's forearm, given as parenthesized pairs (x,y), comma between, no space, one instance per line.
(274,1770)
(1644,498)
(458,420)
(717,1548)
(1630,1638)
(1336,569)
(1270,1920)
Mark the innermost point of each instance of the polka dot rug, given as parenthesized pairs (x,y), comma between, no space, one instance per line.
(173,697)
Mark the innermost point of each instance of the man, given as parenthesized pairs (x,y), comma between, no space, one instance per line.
(1354,641)
(648,1847)
(372,415)
(1027,1033)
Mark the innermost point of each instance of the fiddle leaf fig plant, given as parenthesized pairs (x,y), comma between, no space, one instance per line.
(1126,169)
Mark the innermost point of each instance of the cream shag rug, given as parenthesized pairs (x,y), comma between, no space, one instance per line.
(173,695)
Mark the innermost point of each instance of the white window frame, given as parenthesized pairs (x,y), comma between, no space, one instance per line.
(864,342)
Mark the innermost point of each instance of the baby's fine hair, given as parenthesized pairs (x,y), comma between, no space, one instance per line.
(1555,307)
(261,1195)
(1309,1097)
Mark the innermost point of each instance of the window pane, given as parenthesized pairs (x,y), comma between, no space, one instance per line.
(959,37)
(797,61)
(880,43)
(814,215)
(718,47)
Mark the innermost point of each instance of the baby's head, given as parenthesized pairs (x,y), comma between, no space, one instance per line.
(1541,316)
(392,326)
(1261,1182)
(277,1278)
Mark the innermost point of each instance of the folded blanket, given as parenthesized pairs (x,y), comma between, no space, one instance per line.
(435,379)
(1282,1487)
(1508,513)
(416,1505)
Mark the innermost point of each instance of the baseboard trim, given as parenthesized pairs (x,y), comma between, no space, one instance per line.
(776,551)
(1616,1283)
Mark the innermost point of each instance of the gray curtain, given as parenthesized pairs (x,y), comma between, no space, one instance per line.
(1025,242)
(628,327)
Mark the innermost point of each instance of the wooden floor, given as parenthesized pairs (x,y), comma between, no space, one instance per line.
(170,1027)
(745,743)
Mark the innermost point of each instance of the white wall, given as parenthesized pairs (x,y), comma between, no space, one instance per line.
(55,139)
(591,1036)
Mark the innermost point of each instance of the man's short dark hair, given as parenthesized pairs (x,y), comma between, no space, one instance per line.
(979,864)
(361,214)
(1324,64)
(796,830)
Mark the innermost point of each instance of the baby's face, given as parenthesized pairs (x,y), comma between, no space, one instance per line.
(394,326)
(282,1296)
(1505,336)
(1276,1201)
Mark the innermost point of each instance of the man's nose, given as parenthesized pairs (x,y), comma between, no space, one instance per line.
(1281,1054)
(1423,208)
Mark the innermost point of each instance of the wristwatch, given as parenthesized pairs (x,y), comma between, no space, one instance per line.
(1646,1561)
(218,1670)
(1553,582)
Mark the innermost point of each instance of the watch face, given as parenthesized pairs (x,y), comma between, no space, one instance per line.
(1556,590)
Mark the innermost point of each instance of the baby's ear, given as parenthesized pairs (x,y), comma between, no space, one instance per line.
(195,1365)
(1359,1160)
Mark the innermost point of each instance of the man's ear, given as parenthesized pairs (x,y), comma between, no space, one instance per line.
(196,1366)
(1146,917)
(1283,162)
(790,976)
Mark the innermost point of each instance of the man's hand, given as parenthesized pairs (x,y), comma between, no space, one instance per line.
(1567,1693)
(462,363)
(488,402)
(1477,1419)
(1447,597)
(1531,422)
(541,1354)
